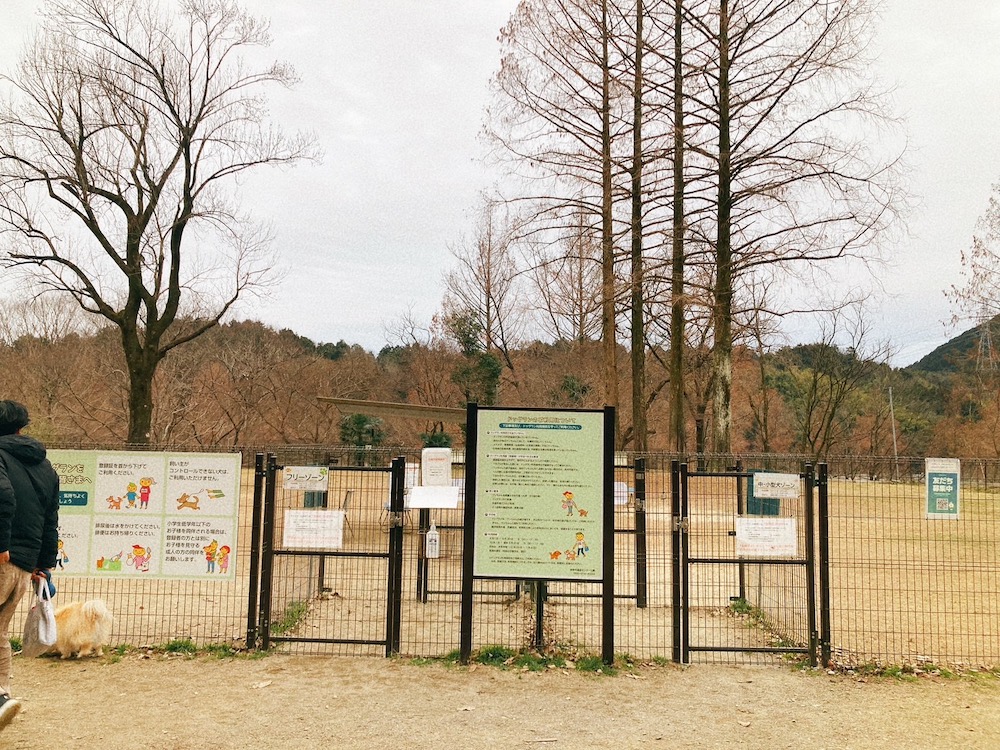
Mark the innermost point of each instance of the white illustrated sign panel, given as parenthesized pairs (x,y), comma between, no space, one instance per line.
(148,514)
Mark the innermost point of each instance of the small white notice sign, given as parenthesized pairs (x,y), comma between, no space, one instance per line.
(309,478)
(435,467)
(766,484)
(313,529)
(433,497)
(766,537)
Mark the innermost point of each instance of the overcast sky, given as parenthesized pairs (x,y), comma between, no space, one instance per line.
(395,92)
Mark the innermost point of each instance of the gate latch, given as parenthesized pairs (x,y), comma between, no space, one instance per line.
(395,519)
(681,524)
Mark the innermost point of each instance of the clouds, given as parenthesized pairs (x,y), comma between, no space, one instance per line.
(395,93)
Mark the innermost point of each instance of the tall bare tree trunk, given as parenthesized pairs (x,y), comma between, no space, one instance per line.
(639,426)
(609,335)
(677,305)
(722,327)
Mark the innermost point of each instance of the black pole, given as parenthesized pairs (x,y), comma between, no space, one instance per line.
(267,551)
(541,592)
(253,614)
(468,530)
(685,579)
(825,627)
(641,580)
(740,510)
(810,534)
(321,567)
(423,571)
(608,603)
(394,608)
(675,556)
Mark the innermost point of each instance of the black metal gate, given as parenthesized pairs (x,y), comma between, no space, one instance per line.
(755,602)
(349,595)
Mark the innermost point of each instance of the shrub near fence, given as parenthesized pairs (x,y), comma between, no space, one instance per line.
(903,589)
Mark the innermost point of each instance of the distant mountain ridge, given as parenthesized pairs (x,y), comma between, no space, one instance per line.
(962,353)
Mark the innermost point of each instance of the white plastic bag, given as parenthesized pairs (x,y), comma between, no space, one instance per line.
(40,625)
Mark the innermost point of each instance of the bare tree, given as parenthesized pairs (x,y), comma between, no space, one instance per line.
(979,296)
(797,169)
(46,317)
(568,286)
(486,281)
(560,122)
(827,379)
(125,124)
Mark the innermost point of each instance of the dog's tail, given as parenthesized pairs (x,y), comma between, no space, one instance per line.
(96,610)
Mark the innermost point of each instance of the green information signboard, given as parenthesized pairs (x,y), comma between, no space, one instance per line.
(539,494)
(943,484)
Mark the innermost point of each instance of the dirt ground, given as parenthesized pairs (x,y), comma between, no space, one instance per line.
(181,703)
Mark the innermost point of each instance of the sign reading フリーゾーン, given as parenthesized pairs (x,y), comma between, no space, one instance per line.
(134,513)
(539,494)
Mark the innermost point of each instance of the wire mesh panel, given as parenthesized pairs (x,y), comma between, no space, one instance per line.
(907,588)
(642,575)
(749,606)
(904,588)
(503,614)
(334,599)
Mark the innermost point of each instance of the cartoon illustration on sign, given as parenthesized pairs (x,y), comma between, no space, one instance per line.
(110,564)
(131,494)
(193,502)
(224,552)
(569,504)
(145,488)
(579,548)
(140,557)
(187,501)
(61,557)
(210,550)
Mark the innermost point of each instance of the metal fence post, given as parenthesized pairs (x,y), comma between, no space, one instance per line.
(675,556)
(810,536)
(267,550)
(825,634)
(394,603)
(683,520)
(740,510)
(253,601)
(641,580)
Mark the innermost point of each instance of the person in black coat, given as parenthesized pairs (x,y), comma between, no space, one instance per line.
(29,529)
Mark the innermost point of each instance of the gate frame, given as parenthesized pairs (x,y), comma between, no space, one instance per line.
(393,556)
(818,637)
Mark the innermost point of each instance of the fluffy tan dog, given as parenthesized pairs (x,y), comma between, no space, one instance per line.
(82,628)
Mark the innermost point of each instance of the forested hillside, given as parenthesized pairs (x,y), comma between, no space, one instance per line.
(247,384)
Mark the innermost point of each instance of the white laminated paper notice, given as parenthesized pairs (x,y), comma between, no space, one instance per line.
(313,529)
(776,486)
(435,467)
(766,537)
(433,497)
